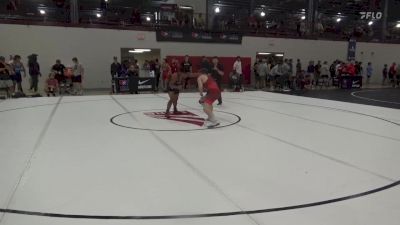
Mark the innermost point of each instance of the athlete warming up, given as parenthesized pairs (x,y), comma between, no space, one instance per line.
(208,84)
(174,86)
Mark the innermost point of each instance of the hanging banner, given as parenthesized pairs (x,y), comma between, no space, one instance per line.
(199,36)
(351,50)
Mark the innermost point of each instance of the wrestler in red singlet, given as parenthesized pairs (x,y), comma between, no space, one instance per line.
(213,91)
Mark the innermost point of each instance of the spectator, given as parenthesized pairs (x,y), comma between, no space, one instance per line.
(199,21)
(276,74)
(310,71)
(51,85)
(237,68)
(58,70)
(298,66)
(34,72)
(319,28)
(285,76)
(5,78)
(78,72)
(332,69)
(217,72)
(133,76)
(205,64)
(351,70)
(370,70)
(18,68)
(385,72)
(157,73)
(187,70)
(392,74)
(255,70)
(115,68)
(317,73)
(398,76)
(325,73)
(263,71)
(166,72)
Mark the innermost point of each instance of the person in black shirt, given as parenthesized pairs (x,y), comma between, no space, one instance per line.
(186,70)
(115,68)
(217,72)
(58,69)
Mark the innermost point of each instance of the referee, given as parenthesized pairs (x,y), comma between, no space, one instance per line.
(217,72)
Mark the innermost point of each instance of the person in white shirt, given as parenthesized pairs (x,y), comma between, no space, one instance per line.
(263,71)
(237,68)
(77,78)
(325,73)
(276,73)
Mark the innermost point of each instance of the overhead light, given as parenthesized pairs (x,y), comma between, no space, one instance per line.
(338,20)
(217,10)
(143,49)
(106,0)
(185,7)
(339,13)
(303,17)
(263,53)
(398,25)
(279,55)
(42,11)
(98,15)
(262,14)
(148,19)
(134,51)
(370,23)
(303,10)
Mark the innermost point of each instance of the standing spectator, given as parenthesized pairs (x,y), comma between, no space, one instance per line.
(34,72)
(18,68)
(187,70)
(5,78)
(298,66)
(325,73)
(263,71)
(332,69)
(392,74)
(166,72)
(205,64)
(385,72)
(310,72)
(351,70)
(359,69)
(217,72)
(237,68)
(78,72)
(133,76)
(276,73)
(58,70)
(398,76)
(370,71)
(317,73)
(255,70)
(157,72)
(115,68)
(199,21)
(285,77)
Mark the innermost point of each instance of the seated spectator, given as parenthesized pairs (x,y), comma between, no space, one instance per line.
(51,85)
(58,70)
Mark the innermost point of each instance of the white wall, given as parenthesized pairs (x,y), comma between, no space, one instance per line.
(96,47)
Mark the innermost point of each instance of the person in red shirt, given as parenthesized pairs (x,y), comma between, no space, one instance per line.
(207,83)
(351,69)
(51,85)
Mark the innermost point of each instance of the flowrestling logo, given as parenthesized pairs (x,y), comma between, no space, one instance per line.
(371,15)
(183,116)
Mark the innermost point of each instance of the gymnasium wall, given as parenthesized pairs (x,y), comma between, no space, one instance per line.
(96,47)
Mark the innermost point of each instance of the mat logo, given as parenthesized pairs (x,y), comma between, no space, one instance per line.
(183,117)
